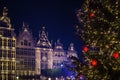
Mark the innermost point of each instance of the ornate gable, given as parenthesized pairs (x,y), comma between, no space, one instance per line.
(71,51)
(25,38)
(58,46)
(43,41)
(4,20)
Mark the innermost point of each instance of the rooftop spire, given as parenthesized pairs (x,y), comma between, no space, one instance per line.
(71,48)
(42,33)
(4,19)
(23,24)
(58,41)
(58,45)
(5,11)
(25,27)
(43,28)
(71,51)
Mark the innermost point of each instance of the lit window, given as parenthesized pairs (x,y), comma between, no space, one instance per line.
(13,43)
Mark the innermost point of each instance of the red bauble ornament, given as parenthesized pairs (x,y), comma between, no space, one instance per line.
(92,15)
(116,55)
(85,49)
(94,62)
(81,77)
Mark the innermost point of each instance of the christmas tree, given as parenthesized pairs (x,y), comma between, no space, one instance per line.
(100,30)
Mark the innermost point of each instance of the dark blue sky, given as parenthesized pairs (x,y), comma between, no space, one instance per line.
(58,16)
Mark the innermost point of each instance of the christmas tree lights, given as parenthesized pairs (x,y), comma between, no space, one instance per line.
(100,30)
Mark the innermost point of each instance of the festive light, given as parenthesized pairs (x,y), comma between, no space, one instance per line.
(94,62)
(107,46)
(116,55)
(100,31)
(92,15)
(85,49)
(61,65)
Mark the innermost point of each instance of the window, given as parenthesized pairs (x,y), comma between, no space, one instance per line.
(5,42)
(21,43)
(0,67)
(9,55)
(1,32)
(9,43)
(13,43)
(0,42)
(4,53)
(13,67)
(25,42)
(29,44)
(0,53)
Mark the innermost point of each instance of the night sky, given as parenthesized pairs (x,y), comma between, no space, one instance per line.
(58,16)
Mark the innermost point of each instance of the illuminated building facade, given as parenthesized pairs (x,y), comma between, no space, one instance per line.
(23,56)
(44,52)
(59,55)
(48,57)
(7,48)
(25,53)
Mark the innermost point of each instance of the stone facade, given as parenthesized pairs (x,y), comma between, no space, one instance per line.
(25,53)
